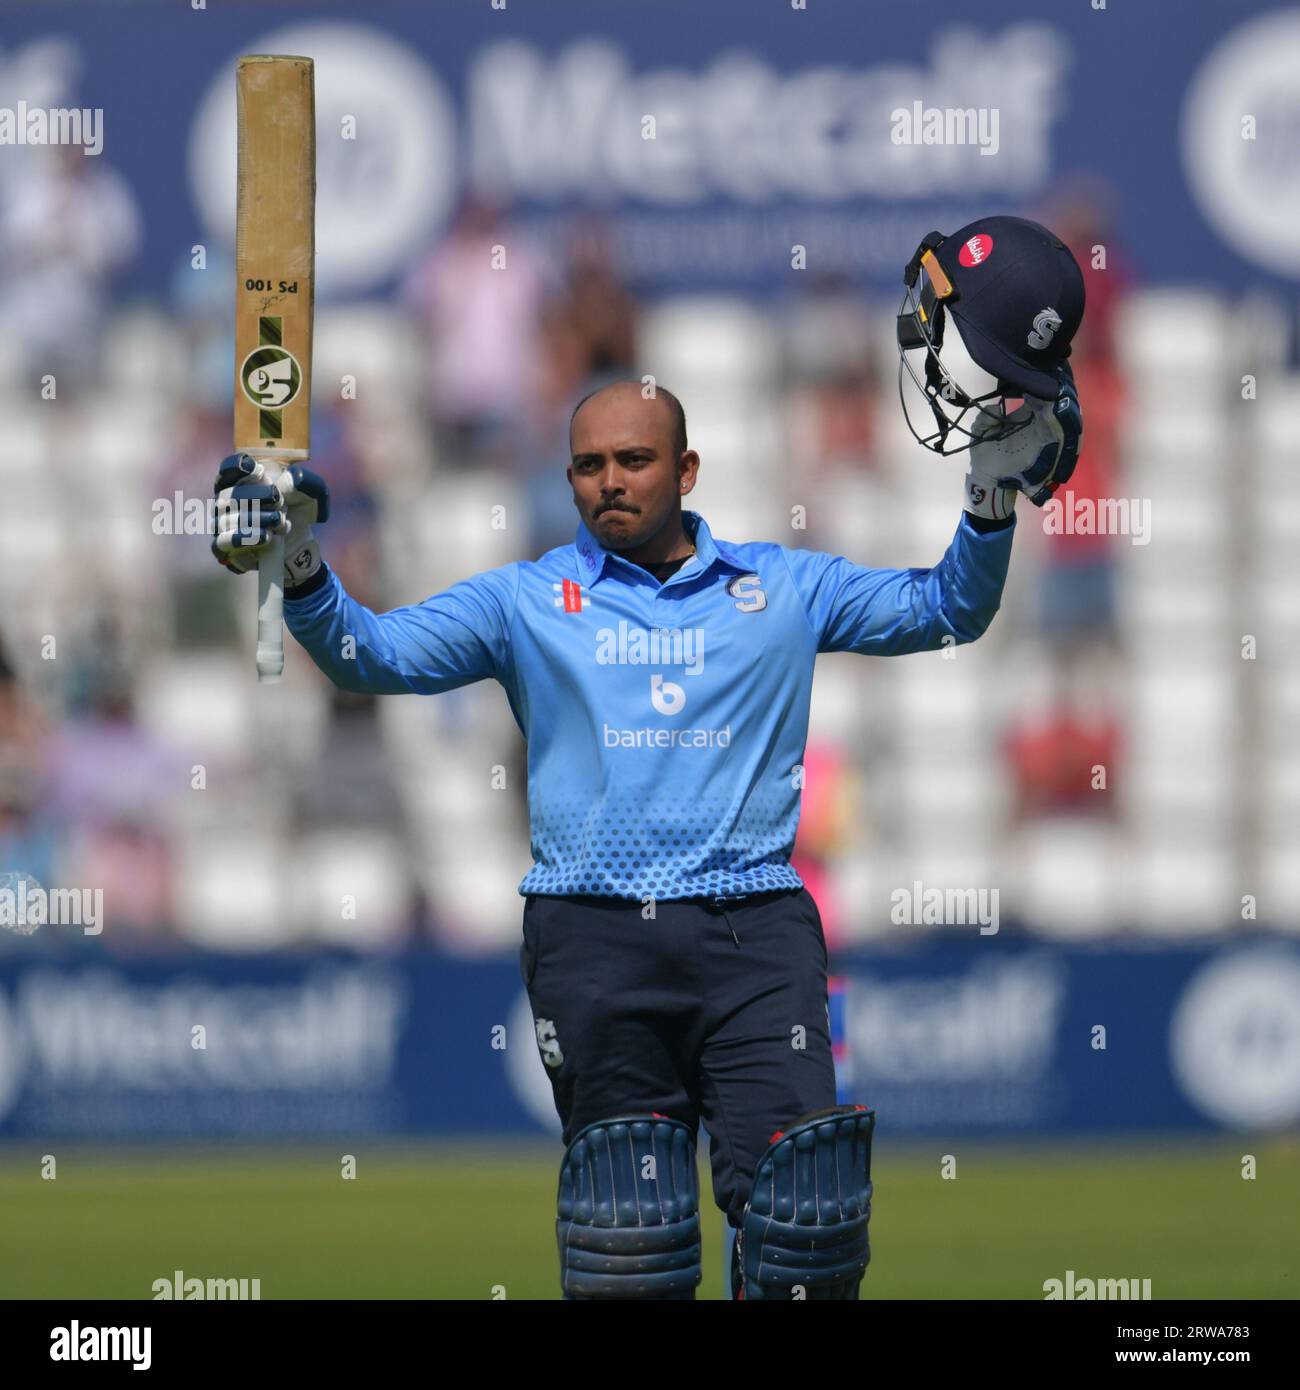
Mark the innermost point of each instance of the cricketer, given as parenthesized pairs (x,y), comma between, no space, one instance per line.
(662,678)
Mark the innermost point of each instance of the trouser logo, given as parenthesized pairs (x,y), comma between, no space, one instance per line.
(549,1044)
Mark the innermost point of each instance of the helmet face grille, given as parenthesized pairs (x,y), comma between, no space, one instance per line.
(920,328)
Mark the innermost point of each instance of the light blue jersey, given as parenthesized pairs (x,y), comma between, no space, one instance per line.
(666,723)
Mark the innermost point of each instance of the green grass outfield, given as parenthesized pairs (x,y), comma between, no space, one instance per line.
(457,1221)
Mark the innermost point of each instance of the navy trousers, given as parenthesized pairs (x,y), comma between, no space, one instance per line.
(715,1010)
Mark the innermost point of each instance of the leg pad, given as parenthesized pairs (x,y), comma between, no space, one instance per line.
(629,1210)
(804,1231)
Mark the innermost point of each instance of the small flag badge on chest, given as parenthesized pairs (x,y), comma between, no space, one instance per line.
(568,596)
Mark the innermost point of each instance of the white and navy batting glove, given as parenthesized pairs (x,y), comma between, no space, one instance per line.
(250,510)
(1035,460)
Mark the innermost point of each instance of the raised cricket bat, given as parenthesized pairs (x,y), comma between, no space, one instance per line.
(275,253)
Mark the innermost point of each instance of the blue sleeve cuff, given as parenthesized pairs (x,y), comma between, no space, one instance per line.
(985,524)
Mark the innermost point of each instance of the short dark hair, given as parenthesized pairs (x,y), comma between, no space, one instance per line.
(675,410)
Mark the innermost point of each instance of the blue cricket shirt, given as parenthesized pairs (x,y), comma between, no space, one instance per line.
(666,724)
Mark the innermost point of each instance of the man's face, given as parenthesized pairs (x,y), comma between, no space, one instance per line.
(625,477)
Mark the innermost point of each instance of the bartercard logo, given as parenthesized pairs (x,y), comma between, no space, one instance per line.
(653,737)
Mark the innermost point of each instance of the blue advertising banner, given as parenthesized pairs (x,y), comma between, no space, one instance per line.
(710,142)
(952,1039)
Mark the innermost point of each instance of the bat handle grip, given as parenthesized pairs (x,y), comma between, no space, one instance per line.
(270,612)
(270,601)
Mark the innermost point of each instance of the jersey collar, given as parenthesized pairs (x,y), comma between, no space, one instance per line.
(593,557)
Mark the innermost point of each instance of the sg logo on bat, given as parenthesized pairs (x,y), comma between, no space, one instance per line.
(271,377)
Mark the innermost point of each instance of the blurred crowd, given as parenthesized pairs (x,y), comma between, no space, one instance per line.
(146,703)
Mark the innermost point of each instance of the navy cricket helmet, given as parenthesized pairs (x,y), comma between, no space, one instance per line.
(1015,292)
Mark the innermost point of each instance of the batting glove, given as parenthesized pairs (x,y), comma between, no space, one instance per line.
(251,509)
(1035,460)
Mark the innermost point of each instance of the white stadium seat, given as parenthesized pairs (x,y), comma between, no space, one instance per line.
(1188,439)
(452,534)
(1171,334)
(1179,884)
(351,886)
(371,343)
(1180,789)
(475,895)
(1278,894)
(146,357)
(198,701)
(708,342)
(26,439)
(1275,415)
(1183,710)
(1058,875)
(224,903)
